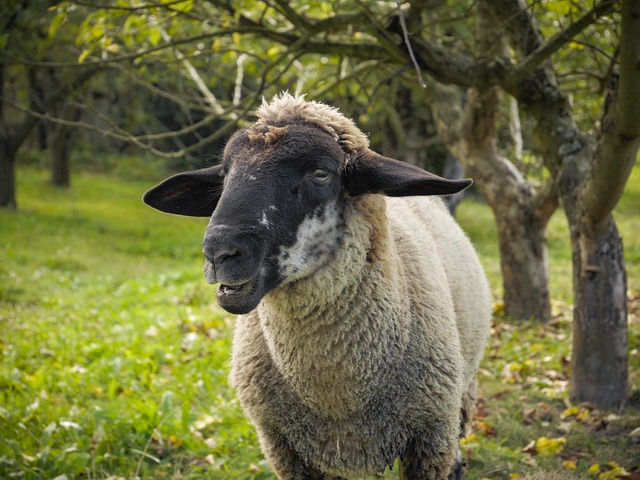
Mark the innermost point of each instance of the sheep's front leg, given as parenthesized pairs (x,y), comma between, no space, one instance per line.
(285,461)
(423,460)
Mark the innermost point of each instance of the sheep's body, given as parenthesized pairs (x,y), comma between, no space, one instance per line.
(378,349)
(364,315)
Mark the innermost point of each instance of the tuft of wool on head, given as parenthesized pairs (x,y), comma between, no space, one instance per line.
(285,108)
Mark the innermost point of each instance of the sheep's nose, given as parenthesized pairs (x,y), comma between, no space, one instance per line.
(218,256)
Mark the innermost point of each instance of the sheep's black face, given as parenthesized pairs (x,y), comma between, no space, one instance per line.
(279,216)
(276,204)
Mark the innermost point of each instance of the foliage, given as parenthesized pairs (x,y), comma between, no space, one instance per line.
(114,356)
(344,50)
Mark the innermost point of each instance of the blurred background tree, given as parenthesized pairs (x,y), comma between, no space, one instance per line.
(536,100)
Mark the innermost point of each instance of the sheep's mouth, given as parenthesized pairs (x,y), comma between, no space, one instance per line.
(232,290)
(240,297)
(236,290)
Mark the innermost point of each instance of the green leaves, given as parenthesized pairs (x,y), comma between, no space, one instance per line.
(56,22)
(559,7)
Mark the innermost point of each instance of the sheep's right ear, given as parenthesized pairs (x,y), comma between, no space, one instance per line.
(194,194)
(370,172)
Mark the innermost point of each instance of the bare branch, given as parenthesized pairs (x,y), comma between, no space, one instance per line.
(357,72)
(193,73)
(178,100)
(123,135)
(407,43)
(237,92)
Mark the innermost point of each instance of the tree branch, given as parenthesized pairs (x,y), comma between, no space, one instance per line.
(627,116)
(19,134)
(122,135)
(142,7)
(546,202)
(559,40)
(192,72)
(620,136)
(293,16)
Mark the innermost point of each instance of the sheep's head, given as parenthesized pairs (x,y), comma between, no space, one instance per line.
(276,201)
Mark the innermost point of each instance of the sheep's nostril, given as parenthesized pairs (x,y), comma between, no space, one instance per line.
(223,255)
(219,256)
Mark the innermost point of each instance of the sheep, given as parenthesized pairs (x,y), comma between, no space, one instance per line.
(364,310)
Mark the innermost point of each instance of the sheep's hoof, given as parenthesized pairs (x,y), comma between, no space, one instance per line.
(458,467)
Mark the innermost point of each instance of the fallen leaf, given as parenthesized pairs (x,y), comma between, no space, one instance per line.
(549,446)
(468,439)
(530,448)
(568,412)
(594,469)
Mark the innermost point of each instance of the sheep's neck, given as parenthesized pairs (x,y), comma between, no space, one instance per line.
(324,334)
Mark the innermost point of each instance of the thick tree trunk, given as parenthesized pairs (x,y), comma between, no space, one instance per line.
(524,262)
(599,358)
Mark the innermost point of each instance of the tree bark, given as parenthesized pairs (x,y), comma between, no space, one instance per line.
(59,144)
(454,170)
(7,174)
(523,261)
(58,140)
(11,137)
(599,357)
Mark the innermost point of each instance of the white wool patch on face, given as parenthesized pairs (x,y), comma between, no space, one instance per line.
(317,239)
(265,220)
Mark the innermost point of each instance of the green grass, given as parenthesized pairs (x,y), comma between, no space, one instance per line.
(114,356)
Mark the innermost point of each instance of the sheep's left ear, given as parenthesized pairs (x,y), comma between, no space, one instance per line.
(370,172)
(194,194)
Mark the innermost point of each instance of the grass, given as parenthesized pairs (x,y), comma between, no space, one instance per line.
(114,356)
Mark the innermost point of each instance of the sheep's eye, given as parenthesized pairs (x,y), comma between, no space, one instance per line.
(321,176)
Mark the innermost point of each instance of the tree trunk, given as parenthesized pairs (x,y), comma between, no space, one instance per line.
(7,175)
(523,261)
(454,170)
(7,157)
(599,358)
(521,228)
(521,213)
(59,143)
